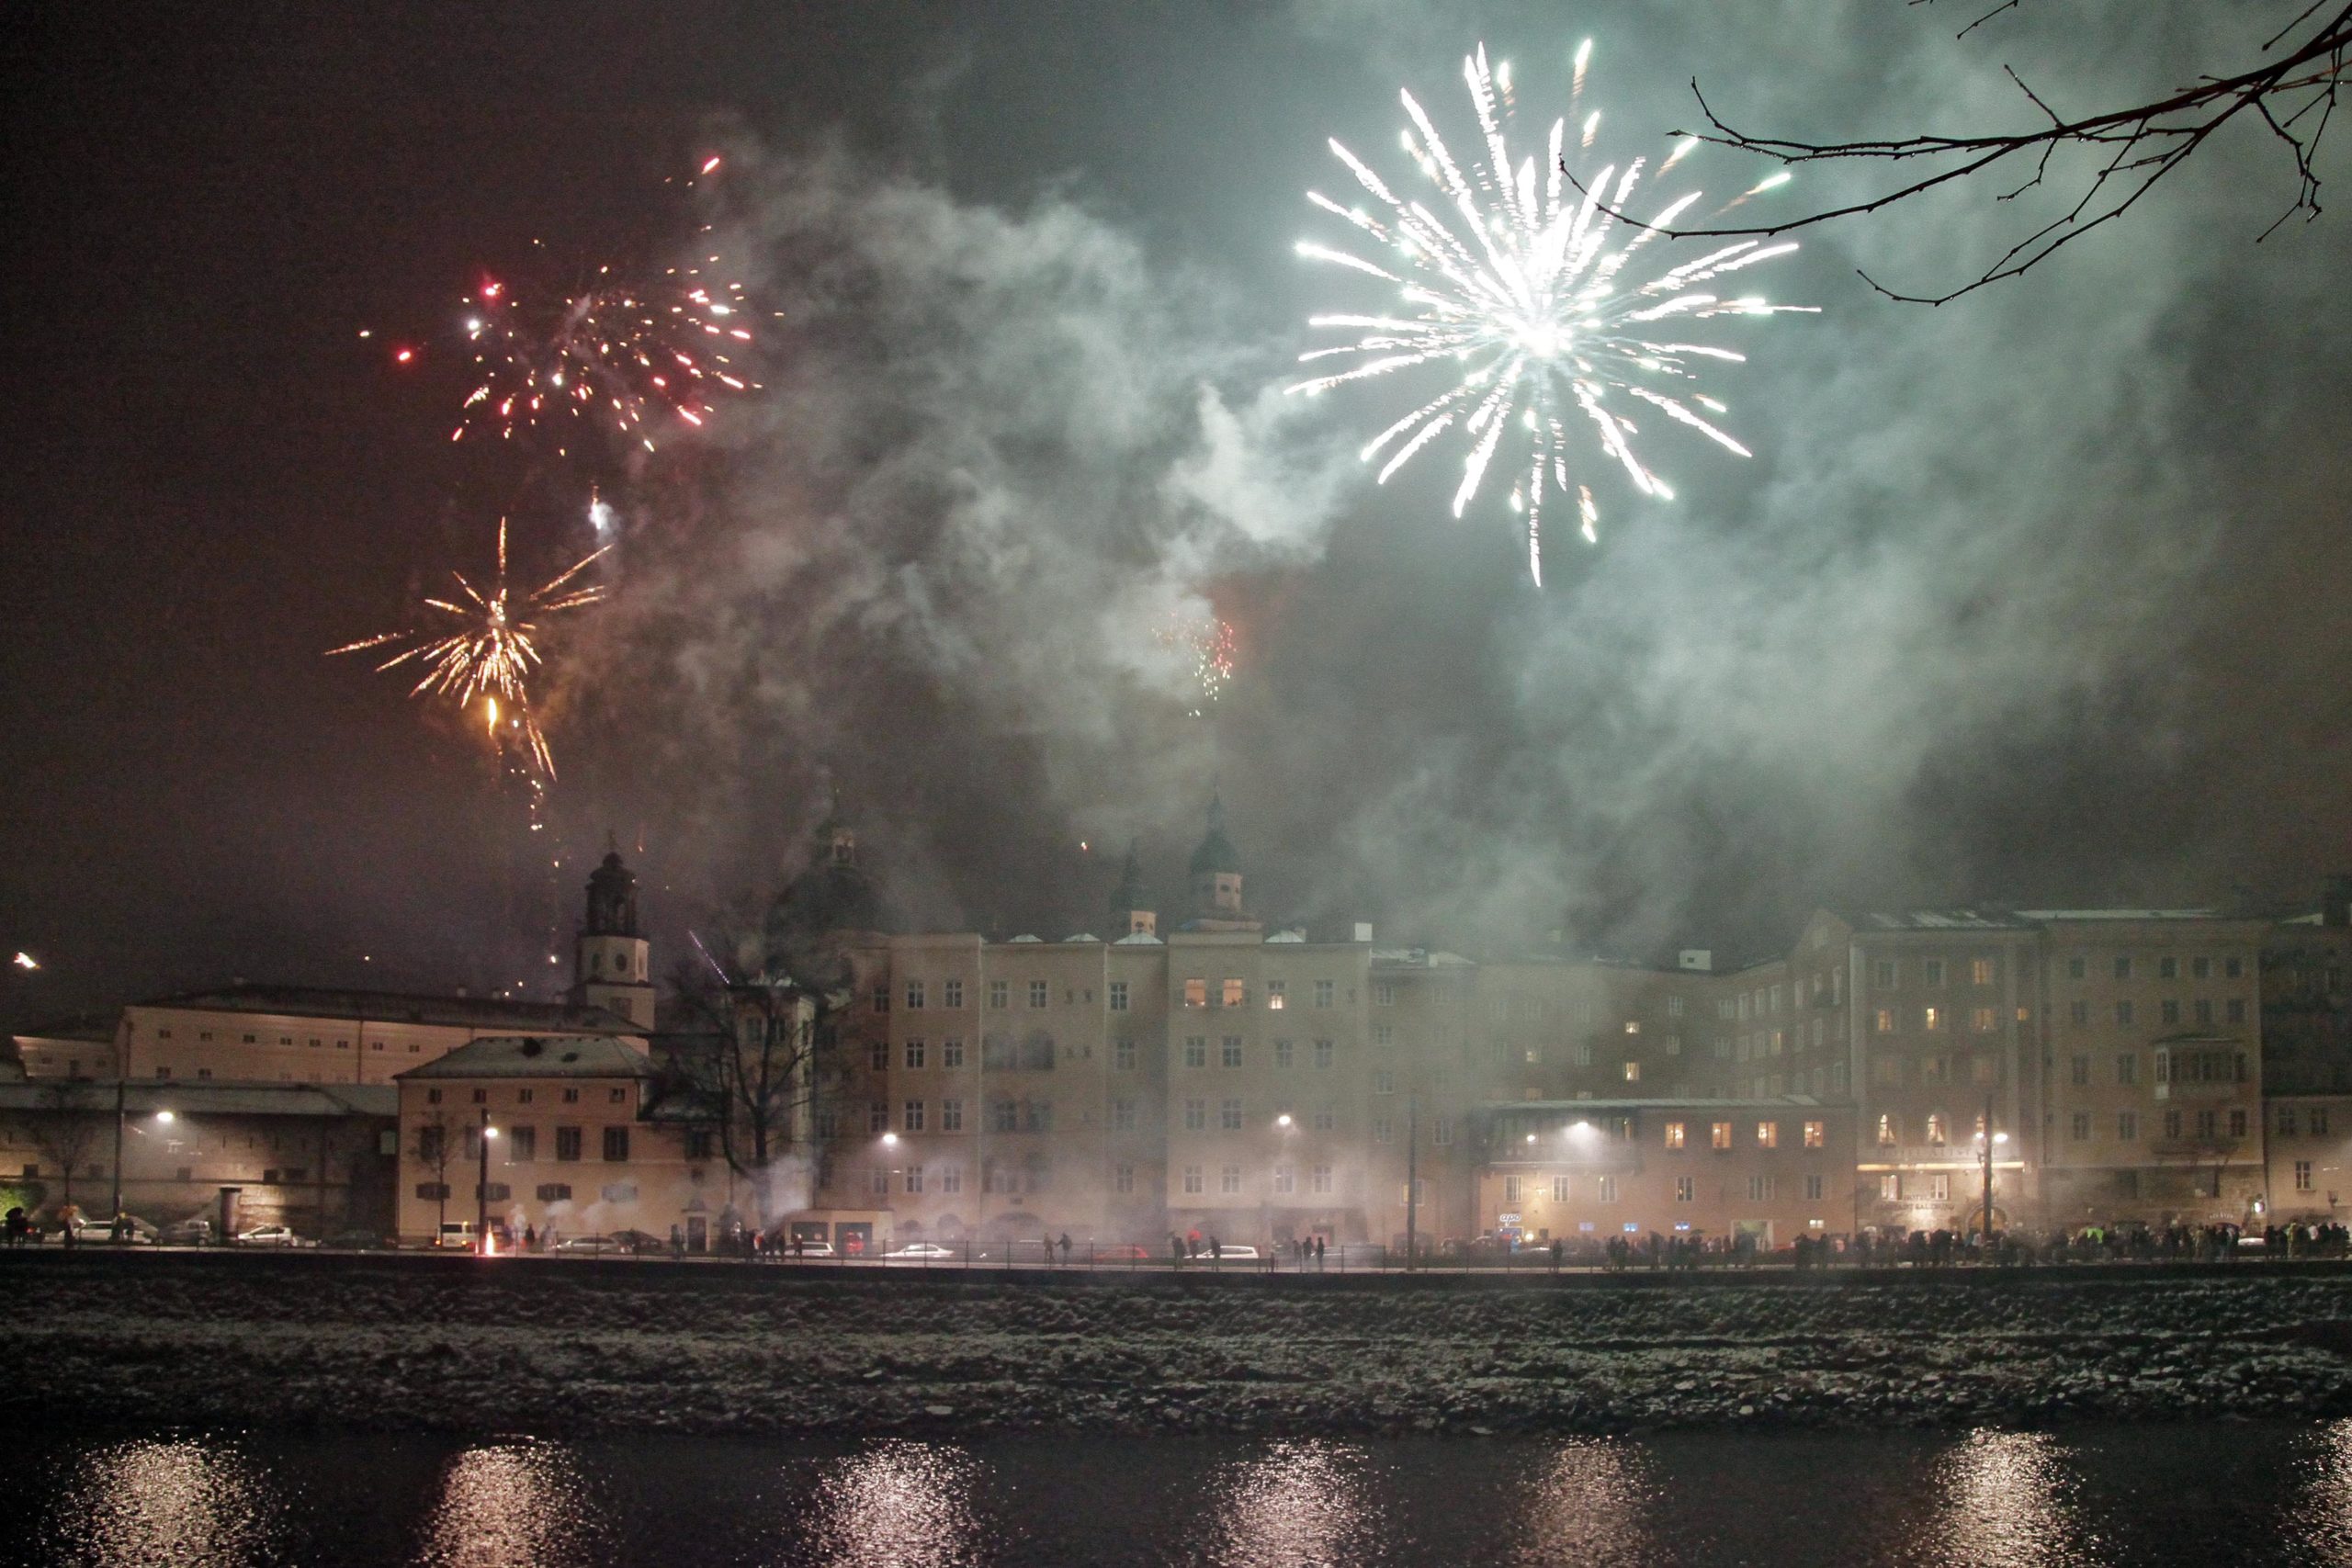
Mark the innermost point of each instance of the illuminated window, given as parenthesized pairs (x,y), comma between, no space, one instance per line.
(1275,1000)
(1932,1019)
(1196,993)
(1673,1135)
(1887,1132)
(1685,1189)
(1633,1026)
(1983,971)
(1815,1135)
(1232,994)
(1768,1134)
(1890,1188)
(1633,1072)
(1981,1020)
(1935,1127)
(1885,1020)
(1719,1134)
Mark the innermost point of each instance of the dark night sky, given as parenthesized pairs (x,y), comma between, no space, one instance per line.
(2035,597)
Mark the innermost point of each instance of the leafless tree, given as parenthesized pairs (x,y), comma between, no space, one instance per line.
(2290,87)
(434,1149)
(765,1059)
(65,1130)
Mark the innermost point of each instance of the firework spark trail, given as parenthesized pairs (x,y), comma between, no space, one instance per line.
(1521,293)
(490,652)
(1209,642)
(614,350)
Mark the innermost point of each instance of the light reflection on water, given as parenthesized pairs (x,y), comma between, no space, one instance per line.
(1300,1504)
(193,1504)
(1589,1505)
(513,1505)
(2005,1499)
(899,1504)
(2324,1523)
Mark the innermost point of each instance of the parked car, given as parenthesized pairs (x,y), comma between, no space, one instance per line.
(590,1246)
(360,1241)
(187,1233)
(801,1250)
(1123,1252)
(89,1232)
(1229,1251)
(271,1236)
(456,1234)
(641,1242)
(924,1252)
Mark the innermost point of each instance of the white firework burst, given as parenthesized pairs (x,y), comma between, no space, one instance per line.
(1525,293)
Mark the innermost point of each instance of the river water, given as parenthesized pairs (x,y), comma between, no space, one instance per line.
(2154,1494)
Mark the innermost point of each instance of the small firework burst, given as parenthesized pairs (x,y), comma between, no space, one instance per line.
(483,648)
(1209,642)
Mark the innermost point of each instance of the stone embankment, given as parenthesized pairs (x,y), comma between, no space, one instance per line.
(559,1348)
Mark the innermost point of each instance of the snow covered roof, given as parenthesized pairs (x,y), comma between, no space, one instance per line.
(1083,937)
(1138,939)
(538,1057)
(2124,914)
(1943,921)
(1026,937)
(1291,935)
(144,1097)
(396,1007)
(1420,958)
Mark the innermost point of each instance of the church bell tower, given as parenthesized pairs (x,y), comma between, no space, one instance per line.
(612,965)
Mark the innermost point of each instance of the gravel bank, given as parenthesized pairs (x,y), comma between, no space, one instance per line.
(566,1349)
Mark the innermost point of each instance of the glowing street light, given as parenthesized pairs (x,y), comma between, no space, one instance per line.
(25,961)
(165,1118)
(1282,1120)
(889,1140)
(481,1188)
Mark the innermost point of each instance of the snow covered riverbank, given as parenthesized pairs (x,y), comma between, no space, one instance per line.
(558,1347)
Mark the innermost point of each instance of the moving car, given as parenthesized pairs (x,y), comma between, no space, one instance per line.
(271,1236)
(1227,1252)
(187,1233)
(924,1252)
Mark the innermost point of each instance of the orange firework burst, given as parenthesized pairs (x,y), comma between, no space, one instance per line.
(490,652)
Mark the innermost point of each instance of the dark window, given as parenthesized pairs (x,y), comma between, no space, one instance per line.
(567,1143)
(555,1191)
(432,1192)
(698,1143)
(617,1143)
(496,1193)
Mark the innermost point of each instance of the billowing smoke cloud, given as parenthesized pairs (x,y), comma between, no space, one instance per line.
(1949,637)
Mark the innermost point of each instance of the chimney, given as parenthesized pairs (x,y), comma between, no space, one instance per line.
(1698,959)
(1363,931)
(2335,904)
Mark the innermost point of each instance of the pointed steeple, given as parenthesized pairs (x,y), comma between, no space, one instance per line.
(1129,914)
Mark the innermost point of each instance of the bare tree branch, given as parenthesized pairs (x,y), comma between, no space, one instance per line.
(2294,95)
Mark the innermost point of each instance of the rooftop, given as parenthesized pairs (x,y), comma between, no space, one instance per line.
(144,1097)
(397,1007)
(96,1027)
(1942,921)
(541,1056)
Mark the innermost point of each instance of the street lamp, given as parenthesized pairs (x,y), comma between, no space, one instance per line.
(481,1187)
(1282,1120)
(1987,1141)
(163,1119)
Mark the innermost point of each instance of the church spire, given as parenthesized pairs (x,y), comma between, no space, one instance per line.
(1129,914)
